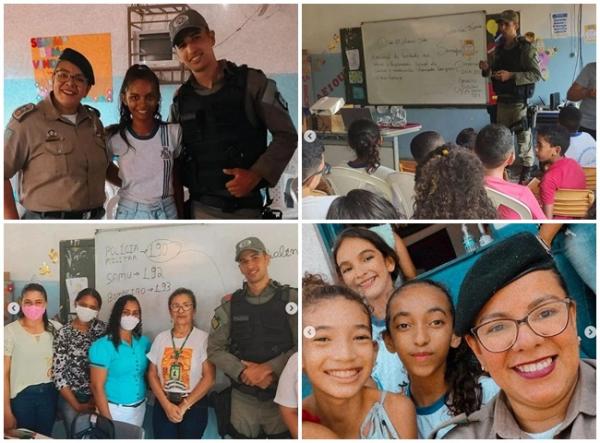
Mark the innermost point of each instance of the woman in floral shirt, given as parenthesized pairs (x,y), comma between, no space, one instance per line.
(71,369)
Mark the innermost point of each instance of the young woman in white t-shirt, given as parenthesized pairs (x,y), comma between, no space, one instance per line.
(29,394)
(145,148)
(179,372)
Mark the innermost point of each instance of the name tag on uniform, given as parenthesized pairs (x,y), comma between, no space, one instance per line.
(241,318)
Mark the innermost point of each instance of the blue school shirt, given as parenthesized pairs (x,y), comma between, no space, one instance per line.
(432,416)
(126,368)
(389,373)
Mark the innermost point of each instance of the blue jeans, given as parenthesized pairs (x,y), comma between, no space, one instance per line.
(580,249)
(35,408)
(164,209)
(192,426)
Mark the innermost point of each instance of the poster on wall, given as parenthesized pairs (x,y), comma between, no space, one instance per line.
(560,24)
(96,48)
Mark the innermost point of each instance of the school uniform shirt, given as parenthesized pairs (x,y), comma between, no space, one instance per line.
(30,356)
(519,192)
(429,418)
(315,207)
(71,366)
(146,167)
(582,149)
(495,420)
(183,374)
(287,393)
(125,368)
(564,173)
(388,373)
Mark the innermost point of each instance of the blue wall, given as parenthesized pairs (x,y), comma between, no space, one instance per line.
(18,92)
(448,121)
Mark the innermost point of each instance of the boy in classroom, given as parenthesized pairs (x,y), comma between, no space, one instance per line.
(424,143)
(494,147)
(582,146)
(560,172)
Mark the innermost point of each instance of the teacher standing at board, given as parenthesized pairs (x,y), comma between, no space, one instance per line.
(514,72)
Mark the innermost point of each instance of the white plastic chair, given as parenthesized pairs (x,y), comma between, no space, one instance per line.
(403,191)
(344,180)
(498,198)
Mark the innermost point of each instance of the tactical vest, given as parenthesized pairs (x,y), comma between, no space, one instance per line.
(259,333)
(217,134)
(510,60)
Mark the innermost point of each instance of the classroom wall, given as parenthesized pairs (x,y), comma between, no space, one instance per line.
(321,25)
(264,39)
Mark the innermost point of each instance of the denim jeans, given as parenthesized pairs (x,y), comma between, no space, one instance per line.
(164,209)
(580,249)
(35,408)
(192,426)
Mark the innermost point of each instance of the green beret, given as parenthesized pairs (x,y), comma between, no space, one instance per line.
(504,262)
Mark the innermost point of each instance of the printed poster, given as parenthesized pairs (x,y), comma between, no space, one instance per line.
(560,24)
(96,48)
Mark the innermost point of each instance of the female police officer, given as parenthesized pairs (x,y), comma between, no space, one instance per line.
(58,146)
(516,316)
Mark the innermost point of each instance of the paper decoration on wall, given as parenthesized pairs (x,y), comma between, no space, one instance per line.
(53,255)
(544,56)
(333,43)
(96,48)
(45,269)
(589,33)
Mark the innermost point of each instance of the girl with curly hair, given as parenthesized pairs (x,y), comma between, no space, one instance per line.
(445,378)
(450,185)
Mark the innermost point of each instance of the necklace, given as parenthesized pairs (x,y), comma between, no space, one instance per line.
(175,368)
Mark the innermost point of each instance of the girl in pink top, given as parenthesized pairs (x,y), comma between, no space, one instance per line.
(561,172)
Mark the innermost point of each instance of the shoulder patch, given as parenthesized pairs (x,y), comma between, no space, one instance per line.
(215,322)
(24,110)
(92,109)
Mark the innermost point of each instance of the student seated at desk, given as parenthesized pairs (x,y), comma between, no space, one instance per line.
(494,147)
(560,172)
(364,137)
(582,146)
(315,203)
(450,185)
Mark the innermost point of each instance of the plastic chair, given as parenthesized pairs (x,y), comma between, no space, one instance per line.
(590,178)
(573,203)
(344,180)
(89,425)
(498,198)
(407,166)
(403,191)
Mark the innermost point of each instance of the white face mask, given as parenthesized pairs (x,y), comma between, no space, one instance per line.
(85,314)
(129,322)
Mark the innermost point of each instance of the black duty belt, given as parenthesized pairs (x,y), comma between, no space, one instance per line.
(73,215)
(230,204)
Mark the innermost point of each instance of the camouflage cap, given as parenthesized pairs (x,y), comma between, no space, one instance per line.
(249,244)
(508,16)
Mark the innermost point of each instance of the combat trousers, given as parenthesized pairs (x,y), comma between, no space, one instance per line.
(509,114)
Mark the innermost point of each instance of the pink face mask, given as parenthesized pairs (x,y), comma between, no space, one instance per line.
(34,312)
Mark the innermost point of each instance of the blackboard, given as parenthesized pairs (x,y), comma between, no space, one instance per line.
(77,271)
(426,60)
(353,59)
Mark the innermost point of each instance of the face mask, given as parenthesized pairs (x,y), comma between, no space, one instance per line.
(85,314)
(34,312)
(129,322)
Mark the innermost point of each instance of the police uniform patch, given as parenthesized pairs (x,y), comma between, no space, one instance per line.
(180,20)
(21,112)
(52,135)
(8,134)
(215,322)
(282,101)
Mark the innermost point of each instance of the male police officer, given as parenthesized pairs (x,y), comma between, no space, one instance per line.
(225,111)
(253,334)
(514,72)
(58,147)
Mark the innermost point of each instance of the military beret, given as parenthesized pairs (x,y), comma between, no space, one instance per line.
(79,60)
(498,266)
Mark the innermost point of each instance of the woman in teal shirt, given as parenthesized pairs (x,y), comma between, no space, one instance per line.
(118,364)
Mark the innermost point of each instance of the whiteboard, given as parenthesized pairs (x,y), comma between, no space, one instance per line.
(152,262)
(428,60)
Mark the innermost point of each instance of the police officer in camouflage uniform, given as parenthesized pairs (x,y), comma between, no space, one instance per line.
(225,112)
(514,72)
(58,147)
(253,333)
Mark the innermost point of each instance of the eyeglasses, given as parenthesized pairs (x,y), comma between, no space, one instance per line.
(181,308)
(325,171)
(547,320)
(64,76)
